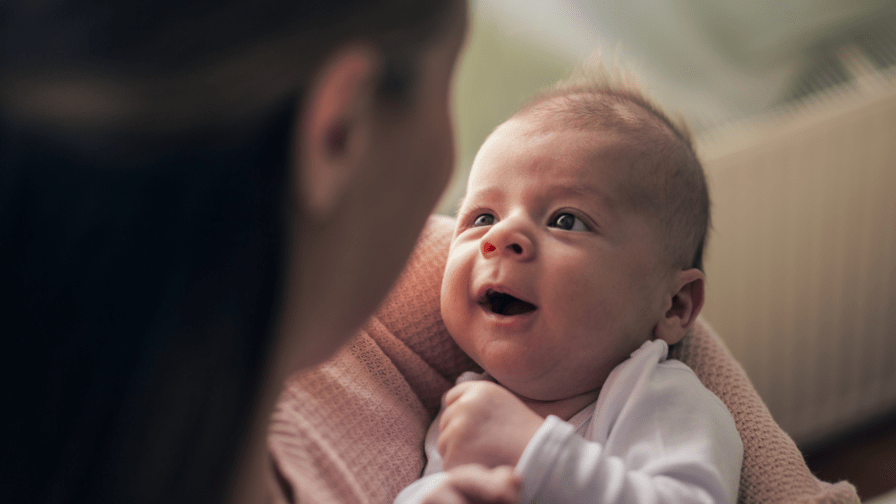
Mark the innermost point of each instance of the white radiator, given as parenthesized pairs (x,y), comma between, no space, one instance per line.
(801,263)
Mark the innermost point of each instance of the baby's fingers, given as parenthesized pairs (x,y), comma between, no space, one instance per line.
(500,485)
(455,392)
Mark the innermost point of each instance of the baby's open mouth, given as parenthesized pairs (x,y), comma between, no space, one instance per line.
(505,304)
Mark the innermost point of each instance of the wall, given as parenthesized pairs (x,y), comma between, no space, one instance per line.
(802,260)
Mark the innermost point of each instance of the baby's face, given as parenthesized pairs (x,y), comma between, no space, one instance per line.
(551,279)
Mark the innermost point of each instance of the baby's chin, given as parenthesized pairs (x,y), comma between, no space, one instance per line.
(545,385)
(563,405)
(509,362)
(527,387)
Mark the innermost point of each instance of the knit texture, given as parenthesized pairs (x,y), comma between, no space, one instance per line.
(351,430)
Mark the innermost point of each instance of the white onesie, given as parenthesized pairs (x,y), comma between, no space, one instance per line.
(654,435)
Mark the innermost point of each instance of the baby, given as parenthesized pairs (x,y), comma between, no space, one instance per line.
(576,261)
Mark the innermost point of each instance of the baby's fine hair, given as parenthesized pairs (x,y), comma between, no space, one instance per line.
(665,176)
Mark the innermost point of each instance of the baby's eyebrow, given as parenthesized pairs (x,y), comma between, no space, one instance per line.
(600,200)
(581,190)
(488,194)
(576,188)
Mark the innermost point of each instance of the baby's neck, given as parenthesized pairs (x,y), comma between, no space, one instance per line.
(563,408)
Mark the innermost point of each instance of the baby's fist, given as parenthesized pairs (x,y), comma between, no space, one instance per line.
(474,483)
(484,423)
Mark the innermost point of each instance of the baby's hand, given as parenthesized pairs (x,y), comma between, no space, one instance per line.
(474,483)
(484,423)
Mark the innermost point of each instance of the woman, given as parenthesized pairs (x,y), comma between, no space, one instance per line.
(196,200)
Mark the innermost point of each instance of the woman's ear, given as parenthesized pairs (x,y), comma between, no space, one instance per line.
(683,307)
(334,129)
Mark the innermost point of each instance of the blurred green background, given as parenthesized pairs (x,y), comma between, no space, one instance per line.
(714,62)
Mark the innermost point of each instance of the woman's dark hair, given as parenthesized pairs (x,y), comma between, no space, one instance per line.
(142,227)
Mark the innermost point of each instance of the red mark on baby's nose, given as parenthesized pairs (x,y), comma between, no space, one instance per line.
(489,247)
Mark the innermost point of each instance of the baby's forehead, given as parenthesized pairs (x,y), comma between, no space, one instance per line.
(630,154)
(604,180)
(641,138)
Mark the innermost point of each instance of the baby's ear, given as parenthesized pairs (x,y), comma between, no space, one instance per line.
(683,307)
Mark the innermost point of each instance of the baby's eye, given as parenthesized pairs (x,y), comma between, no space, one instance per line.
(484,220)
(568,222)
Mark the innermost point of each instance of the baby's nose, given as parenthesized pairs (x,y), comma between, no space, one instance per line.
(514,244)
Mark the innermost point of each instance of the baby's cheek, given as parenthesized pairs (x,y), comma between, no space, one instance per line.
(579,297)
(451,291)
(455,321)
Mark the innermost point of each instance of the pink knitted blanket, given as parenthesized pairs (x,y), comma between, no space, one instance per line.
(351,430)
